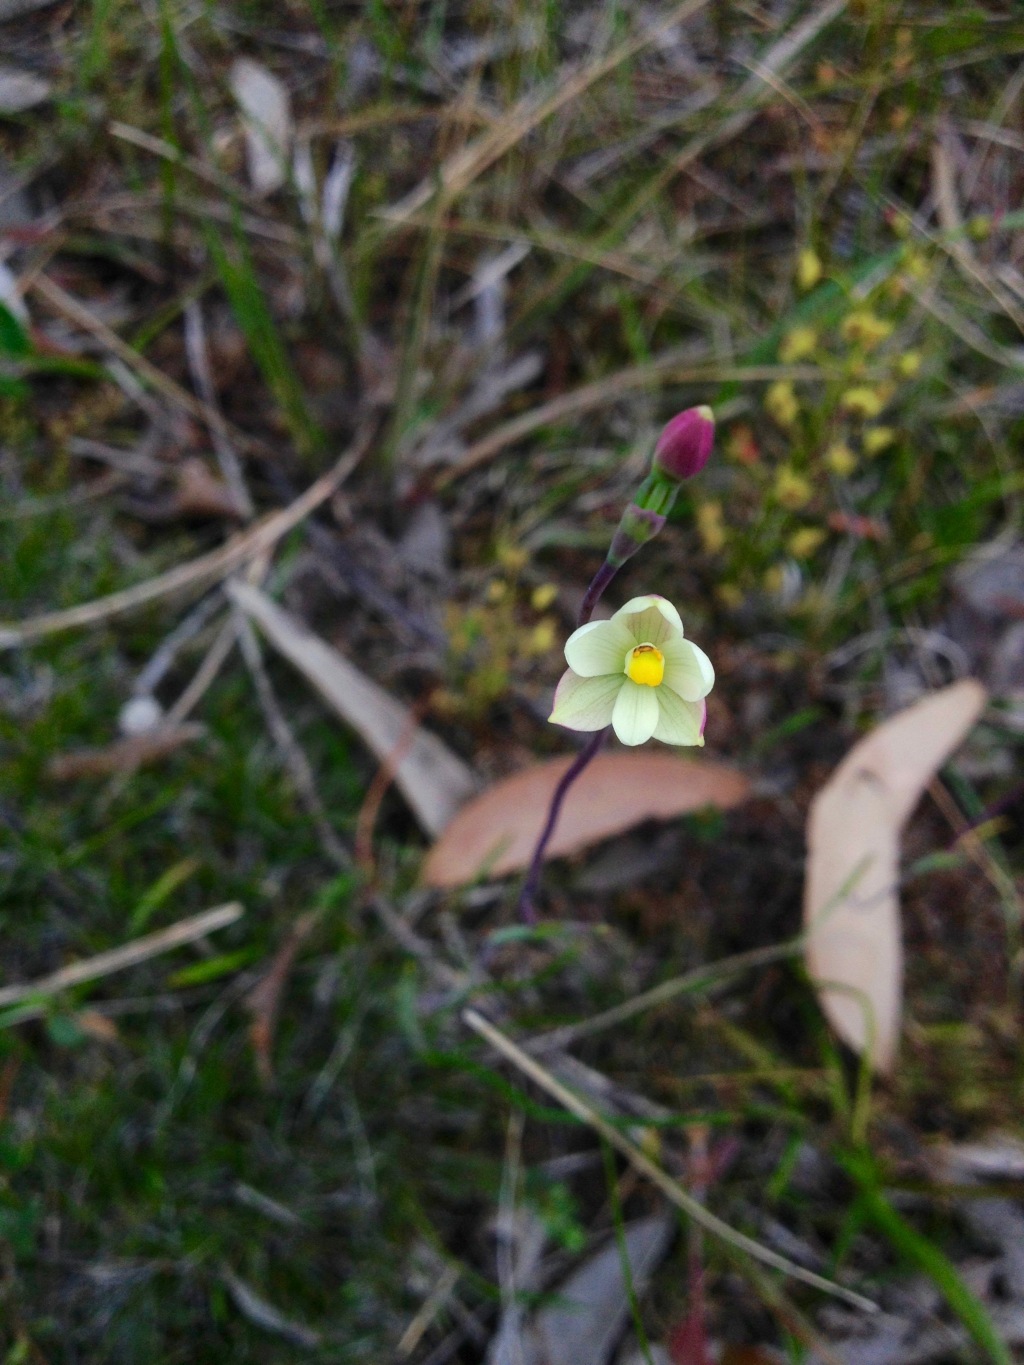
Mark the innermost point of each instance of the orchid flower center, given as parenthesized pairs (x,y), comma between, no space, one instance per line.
(645,665)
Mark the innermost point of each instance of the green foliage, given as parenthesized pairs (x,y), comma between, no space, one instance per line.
(236,271)
(923,1253)
(14,340)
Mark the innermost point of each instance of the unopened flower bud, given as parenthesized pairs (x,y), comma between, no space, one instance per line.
(684,447)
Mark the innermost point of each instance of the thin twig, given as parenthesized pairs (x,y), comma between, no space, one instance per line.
(405,935)
(158,146)
(689,982)
(432,1305)
(213,660)
(211,567)
(376,791)
(672,1190)
(668,369)
(75,311)
(129,955)
(162,660)
(57,502)
(265,1316)
(449,180)
(199,367)
(295,760)
(125,755)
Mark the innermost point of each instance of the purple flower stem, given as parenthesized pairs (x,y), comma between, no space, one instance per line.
(527,911)
(592,596)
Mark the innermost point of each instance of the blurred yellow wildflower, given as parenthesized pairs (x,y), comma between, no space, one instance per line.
(781,403)
(803,543)
(730,595)
(865,328)
(798,344)
(792,490)
(543,636)
(909,363)
(840,459)
(512,558)
(542,597)
(877,439)
(709,524)
(808,268)
(862,401)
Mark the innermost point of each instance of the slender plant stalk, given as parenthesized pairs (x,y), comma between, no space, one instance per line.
(527,910)
(592,596)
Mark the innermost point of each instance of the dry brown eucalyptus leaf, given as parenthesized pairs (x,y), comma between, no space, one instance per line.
(495,833)
(851,903)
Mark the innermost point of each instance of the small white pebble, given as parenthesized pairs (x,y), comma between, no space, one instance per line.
(140,715)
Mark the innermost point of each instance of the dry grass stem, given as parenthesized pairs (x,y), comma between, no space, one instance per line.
(213,661)
(125,755)
(129,955)
(291,751)
(687,984)
(667,369)
(449,180)
(196,572)
(76,312)
(670,1188)
(432,1305)
(202,377)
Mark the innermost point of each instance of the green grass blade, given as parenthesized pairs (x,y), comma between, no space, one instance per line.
(252,313)
(917,1249)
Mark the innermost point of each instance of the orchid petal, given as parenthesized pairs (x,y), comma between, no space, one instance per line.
(651,600)
(598,648)
(636,713)
(688,670)
(585,703)
(679,721)
(650,627)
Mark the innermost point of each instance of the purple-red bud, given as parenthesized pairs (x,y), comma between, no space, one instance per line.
(684,447)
